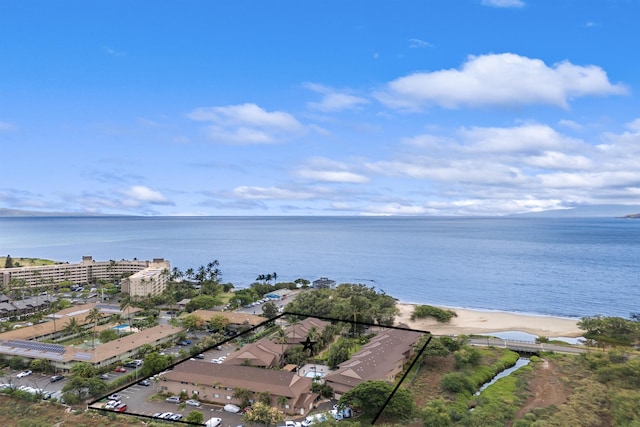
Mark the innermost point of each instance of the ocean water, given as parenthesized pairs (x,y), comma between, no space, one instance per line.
(568,267)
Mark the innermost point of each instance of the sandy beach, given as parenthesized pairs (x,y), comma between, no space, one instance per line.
(480,322)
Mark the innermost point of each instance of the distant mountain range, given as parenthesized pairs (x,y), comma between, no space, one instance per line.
(22,213)
(605,211)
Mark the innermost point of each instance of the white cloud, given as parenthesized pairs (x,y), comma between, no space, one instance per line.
(417,43)
(571,124)
(505,80)
(246,124)
(138,194)
(271,193)
(333,101)
(503,3)
(330,171)
(529,138)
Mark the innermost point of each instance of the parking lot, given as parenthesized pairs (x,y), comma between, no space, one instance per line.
(143,400)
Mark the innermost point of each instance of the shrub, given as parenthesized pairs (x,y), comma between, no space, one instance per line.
(441,315)
(456,382)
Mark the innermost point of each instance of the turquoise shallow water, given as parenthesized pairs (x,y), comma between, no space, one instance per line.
(561,267)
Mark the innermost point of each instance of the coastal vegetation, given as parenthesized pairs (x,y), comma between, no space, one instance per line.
(440,314)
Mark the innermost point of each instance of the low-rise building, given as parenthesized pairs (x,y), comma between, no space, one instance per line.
(27,342)
(217,383)
(382,358)
(323,283)
(262,353)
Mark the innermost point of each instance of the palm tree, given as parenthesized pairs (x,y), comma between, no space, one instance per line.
(281,338)
(116,319)
(72,327)
(94,316)
(176,274)
(274,276)
(125,302)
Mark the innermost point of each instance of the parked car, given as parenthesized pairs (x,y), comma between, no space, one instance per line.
(111,404)
(184,342)
(193,402)
(114,396)
(199,356)
(57,378)
(213,422)
(24,374)
(145,383)
(120,369)
(229,407)
(121,407)
(172,399)
(104,376)
(165,415)
(175,417)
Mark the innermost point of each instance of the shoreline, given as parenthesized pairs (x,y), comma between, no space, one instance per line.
(469,322)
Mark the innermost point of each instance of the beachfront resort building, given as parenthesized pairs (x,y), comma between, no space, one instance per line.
(85,272)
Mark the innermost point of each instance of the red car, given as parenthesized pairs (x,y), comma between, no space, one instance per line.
(121,407)
(120,369)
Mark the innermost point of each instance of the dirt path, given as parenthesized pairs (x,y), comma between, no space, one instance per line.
(546,389)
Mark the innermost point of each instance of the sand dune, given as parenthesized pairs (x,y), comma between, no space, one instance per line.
(480,322)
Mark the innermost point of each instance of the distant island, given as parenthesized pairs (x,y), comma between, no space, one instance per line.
(631,216)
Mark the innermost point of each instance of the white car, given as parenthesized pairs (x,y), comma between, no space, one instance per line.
(24,374)
(231,408)
(193,402)
(111,404)
(292,424)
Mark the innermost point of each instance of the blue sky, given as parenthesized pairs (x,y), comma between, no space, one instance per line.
(414,107)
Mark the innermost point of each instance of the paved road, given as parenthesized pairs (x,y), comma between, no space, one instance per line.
(526,346)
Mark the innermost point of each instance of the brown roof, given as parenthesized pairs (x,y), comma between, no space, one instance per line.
(62,318)
(133,341)
(260,353)
(299,331)
(279,383)
(35,350)
(376,359)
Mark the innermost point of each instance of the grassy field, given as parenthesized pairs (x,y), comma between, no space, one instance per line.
(26,262)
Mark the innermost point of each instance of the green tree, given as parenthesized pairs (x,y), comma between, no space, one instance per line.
(195,417)
(204,302)
(192,323)
(125,302)
(467,356)
(263,414)
(338,353)
(94,316)
(436,414)
(107,335)
(72,327)
(269,310)
(155,362)
(8,263)
(83,370)
(242,394)
(370,396)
